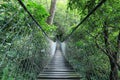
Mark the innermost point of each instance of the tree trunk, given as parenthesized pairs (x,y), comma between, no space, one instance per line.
(52,12)
(118,41)
(112,55)
(114,69)
(88,75)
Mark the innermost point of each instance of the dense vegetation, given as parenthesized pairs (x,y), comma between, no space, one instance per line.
(97,41)
(24,49)
(93,49)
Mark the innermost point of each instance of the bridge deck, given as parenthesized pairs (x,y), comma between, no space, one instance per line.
(58,69)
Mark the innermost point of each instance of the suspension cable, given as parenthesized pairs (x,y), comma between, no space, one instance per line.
(39,26)
(90,13)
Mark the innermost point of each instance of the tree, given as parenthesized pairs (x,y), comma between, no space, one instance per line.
(105,23)
(112,55)
(21,41)
(52,12)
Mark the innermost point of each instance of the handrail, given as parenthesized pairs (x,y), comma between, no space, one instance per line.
(87,16)
(39,26)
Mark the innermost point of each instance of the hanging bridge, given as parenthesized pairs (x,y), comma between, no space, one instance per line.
(28,53)
(58,68)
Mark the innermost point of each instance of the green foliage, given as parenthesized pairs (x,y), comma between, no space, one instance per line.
(38,10)
(24,51)
(41,14)
(83,42)
(65,19)
(22,43)
(87,59)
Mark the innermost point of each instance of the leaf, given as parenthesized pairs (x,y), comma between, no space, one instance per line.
(11,53)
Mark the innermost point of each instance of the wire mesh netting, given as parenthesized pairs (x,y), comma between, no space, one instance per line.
(24,50)
(85,51)
(92,47)
(89,64)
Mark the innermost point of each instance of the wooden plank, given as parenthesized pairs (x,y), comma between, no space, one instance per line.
(58,77)
(58,69)
(57,72)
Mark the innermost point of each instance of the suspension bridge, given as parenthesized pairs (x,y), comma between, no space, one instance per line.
(58,68)
(53,60)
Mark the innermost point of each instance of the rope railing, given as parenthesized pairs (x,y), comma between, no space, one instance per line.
(86,58)
(87,52)
(86,17)
(22,4)
(24,49)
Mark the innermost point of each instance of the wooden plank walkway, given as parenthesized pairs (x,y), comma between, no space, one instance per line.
(58,69)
